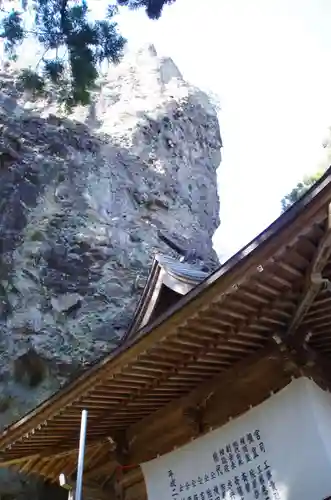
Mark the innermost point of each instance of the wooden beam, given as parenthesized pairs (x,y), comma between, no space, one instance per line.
(93,457)
(313,279)
(102,468)
(24,466)
(18,461)
(55,452)
(120,456)
(137,491)
(48,467)
(122,450)
(135,475)
(101,463)
(195,419)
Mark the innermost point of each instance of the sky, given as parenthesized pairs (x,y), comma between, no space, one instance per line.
(269,63)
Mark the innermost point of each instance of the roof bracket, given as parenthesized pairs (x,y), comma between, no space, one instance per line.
(314,280)
(301,360)
(317,279)
(122,450)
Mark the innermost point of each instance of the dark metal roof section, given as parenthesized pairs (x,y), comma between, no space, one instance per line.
(182,270)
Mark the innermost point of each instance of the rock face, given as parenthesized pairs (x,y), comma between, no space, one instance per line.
(85,202)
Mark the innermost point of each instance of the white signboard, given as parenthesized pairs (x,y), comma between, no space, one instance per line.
(280,450)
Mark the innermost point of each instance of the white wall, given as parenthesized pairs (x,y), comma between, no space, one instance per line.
(293,444)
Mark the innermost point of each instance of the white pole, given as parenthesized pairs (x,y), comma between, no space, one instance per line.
(80,467)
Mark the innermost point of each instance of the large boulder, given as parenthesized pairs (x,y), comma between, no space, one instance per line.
(85,202)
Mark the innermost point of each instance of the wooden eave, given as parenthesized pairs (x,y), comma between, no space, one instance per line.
(147,301)
(276,287)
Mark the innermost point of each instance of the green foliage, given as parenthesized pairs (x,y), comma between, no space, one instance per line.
(54,70)
(31,81)
(300,189)
(153,7)
(74,45)
(12,32)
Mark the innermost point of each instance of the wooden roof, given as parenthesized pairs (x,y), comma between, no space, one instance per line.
(169,273)
(277,283)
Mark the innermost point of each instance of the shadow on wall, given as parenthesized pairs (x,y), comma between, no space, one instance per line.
(51,491)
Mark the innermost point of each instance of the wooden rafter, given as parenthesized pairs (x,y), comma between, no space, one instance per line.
(101,468)
(93,460)
(313,280)
(201,394)
(223,337)
(229,398)
(92,490)
(257,314)
(52,452)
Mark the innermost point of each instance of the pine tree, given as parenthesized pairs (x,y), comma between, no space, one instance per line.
(309,180)
(300,189)
(74,46)
(153,7)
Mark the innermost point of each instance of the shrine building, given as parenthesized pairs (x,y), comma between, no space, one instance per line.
(220,389)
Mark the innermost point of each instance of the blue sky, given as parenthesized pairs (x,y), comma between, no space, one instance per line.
(269,63)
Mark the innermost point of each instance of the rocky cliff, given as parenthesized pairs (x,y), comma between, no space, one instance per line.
(85,202)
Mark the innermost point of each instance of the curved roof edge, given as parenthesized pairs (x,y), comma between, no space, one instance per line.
(180,277)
